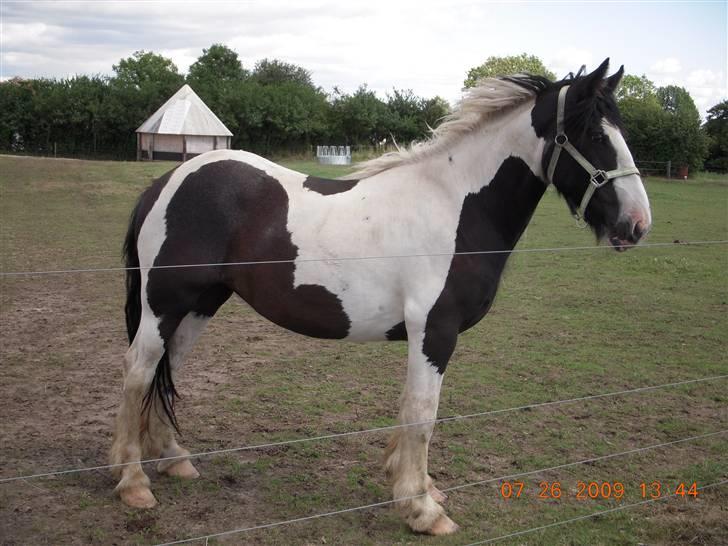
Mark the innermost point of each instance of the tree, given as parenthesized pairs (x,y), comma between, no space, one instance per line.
(716,129)
(434,110)
(274,72)
(662,123)
(145,70)
(404,119)
(360,118)
(676,100)
(214,76)
(505,66)
(217,64)
(635,87)
(688,143)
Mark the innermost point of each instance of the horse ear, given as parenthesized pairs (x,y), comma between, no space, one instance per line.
(613,80)
(591,83)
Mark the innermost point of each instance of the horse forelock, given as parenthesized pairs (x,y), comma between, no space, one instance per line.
(480,104)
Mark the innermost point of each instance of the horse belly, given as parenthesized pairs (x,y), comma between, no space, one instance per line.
(320,310)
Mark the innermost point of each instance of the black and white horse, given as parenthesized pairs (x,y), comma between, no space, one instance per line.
(472,187)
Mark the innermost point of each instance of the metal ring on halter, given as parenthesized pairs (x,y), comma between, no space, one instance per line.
(599,178)
(561,139)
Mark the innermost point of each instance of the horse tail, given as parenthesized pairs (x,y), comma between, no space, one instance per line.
(133,307)
(162,386)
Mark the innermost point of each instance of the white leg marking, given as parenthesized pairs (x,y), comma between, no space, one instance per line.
(406,458)
(140,363)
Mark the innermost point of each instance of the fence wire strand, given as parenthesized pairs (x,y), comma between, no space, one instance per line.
(366,431)
(588,516)
(446,490)
(353,258)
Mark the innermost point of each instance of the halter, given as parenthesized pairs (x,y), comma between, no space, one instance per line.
(597,177)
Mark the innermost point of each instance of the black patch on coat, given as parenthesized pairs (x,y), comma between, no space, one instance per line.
(228,211)
(492,219)
(398,332)
(325,186)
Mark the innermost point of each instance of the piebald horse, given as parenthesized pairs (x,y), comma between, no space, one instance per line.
(472,187)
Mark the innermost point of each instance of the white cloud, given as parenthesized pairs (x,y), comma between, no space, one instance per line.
(570,59)
(182,58)
(669,65)
(703,77)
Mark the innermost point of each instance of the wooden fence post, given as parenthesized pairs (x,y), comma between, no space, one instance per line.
(669,165)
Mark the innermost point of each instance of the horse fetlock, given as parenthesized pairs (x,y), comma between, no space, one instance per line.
(434,492)
(180,468)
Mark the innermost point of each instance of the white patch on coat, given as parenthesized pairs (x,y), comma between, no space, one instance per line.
(633,201)
(184,338)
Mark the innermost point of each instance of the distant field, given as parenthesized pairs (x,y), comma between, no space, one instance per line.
(565,324)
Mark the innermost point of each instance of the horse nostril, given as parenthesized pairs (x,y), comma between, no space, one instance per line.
(638,231)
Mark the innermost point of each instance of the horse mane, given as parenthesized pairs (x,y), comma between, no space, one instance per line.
(480,103)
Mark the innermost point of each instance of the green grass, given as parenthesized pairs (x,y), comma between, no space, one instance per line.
(565,324)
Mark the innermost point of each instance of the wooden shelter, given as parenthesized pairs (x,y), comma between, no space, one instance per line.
(183,127)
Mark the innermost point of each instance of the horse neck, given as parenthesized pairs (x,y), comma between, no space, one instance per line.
(496,175)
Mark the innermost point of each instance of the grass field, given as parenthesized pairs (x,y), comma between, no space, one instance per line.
(565,324)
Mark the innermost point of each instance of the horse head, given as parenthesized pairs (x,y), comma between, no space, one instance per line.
(587,159)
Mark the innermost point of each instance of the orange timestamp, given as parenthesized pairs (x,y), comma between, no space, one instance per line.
(602,490)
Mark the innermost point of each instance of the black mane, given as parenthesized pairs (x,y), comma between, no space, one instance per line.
(583,113)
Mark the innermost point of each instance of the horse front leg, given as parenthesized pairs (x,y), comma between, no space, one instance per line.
(406,455)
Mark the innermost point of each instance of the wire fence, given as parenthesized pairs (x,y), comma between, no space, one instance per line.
(449,490)
(352,258)
(332,436)
(339,435)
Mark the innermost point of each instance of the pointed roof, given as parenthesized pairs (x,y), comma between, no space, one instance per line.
(184,114)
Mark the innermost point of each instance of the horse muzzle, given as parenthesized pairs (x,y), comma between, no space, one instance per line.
(628,232)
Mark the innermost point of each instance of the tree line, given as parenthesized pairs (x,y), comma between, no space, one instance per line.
(272,108)
(275,107)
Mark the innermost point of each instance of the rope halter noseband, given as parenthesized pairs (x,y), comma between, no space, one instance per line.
(597,177)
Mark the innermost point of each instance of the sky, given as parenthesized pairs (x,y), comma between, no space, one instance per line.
(427,46)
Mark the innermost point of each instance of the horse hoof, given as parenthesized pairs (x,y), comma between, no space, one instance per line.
(138,497)
(443,526)
(183,469)
(436,494)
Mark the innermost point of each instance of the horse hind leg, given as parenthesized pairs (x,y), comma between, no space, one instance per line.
(161,438)
(140,363)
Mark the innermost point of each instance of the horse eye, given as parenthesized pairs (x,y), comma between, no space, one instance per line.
(597,137)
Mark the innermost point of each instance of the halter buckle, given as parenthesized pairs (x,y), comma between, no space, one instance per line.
(561,139)
(599,178)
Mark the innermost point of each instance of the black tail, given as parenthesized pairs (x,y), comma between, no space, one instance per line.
(162,387)
(133,307)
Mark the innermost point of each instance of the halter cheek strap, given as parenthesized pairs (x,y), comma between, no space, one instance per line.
(597,177)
